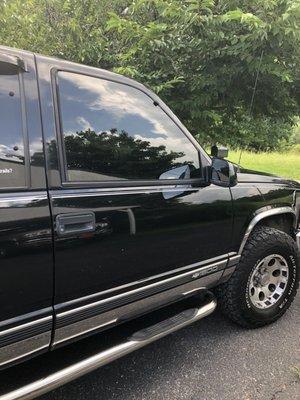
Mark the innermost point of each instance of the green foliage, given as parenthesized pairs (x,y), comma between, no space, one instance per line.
(70,29)
(201,56)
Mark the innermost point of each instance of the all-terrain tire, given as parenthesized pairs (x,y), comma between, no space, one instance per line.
(233,295)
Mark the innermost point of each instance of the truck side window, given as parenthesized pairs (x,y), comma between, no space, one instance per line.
(12,160)
(113,131)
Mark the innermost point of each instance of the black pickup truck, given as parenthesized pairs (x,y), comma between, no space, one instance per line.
(110,209)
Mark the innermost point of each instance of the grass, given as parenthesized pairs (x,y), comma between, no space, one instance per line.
(285,164)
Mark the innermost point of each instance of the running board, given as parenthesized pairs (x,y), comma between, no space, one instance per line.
(134,342)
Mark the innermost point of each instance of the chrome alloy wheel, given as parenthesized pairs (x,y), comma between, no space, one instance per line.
(268,281)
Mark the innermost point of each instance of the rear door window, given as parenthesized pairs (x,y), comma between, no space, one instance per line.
(12,159)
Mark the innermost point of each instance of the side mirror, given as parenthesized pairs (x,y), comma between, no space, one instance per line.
(219,151)
(223,173)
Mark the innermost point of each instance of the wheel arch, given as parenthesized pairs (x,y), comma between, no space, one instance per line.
(270,217)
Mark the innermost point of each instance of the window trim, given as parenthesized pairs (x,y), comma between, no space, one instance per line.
(62,159)
(24,135)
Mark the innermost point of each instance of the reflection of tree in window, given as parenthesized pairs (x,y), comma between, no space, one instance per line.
(114,131)
(119,155)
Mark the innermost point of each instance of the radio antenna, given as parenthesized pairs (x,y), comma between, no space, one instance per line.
(253,95)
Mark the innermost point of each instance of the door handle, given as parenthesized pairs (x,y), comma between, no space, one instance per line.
(70,224)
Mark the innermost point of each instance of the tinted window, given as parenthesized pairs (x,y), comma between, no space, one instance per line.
(114,132)
(12,169)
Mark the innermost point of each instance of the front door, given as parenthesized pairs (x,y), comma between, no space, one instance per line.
(133,206)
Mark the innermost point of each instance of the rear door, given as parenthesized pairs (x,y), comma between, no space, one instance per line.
(26,253)
(129,201)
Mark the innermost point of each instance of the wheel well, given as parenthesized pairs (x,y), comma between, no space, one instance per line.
(282,222)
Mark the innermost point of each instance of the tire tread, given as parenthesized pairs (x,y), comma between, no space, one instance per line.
(229,298)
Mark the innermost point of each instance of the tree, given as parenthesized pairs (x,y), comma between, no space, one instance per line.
(70,29)
(200,56)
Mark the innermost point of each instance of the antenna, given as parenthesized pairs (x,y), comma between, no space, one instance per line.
(253,95)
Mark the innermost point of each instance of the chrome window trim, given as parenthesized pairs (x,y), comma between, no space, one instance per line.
(21,198)
(102,191)
(82,192)
(112,191)
(262,215)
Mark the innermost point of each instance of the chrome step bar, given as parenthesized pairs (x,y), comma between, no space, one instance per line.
(135,342)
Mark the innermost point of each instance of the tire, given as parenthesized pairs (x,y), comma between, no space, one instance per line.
(241,299)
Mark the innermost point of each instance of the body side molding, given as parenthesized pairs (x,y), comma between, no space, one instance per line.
(178,277)
(23,349)
(72,304)
(25,335)
(111,311)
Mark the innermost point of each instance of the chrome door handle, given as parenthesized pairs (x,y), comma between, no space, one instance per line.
(70,224)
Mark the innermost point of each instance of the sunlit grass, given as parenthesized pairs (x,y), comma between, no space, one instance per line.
(285,164)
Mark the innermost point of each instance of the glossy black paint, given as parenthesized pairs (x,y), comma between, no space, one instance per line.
(173,227)
(142,228)
(138,235)
(26,251)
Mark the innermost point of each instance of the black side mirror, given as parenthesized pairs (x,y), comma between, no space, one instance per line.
(219,151)
(223,173)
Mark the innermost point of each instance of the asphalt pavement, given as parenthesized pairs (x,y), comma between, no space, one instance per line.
(210,360)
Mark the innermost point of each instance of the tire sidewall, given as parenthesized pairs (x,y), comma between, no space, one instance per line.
(276,310)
